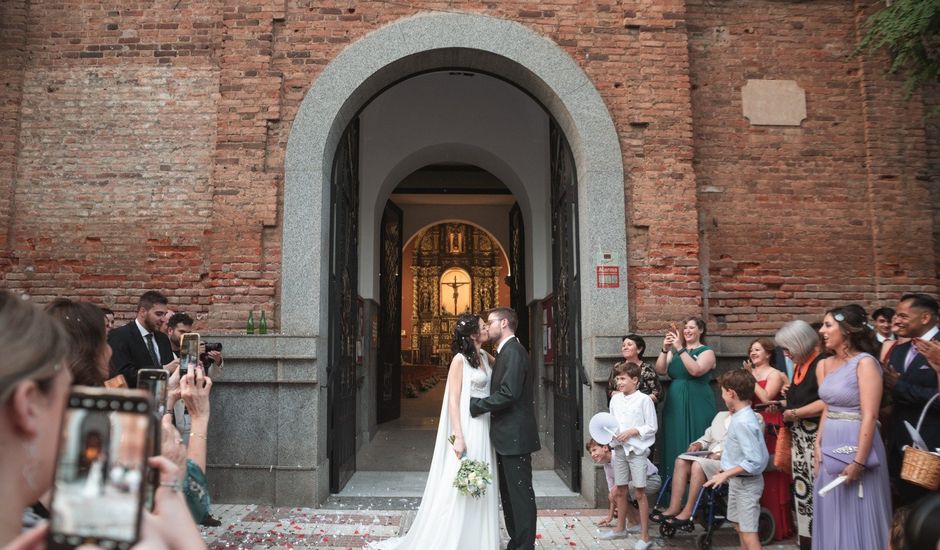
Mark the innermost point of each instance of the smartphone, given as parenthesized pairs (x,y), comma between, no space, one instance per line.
(100,469)
(154,382)
(189,352)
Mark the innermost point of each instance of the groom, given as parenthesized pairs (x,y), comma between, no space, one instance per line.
(512,427)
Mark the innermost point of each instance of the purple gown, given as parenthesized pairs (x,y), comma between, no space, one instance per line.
(841,519)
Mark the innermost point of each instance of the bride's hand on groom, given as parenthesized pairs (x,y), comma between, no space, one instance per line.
(460,447)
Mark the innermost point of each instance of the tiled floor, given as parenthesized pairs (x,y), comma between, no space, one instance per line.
(249,527)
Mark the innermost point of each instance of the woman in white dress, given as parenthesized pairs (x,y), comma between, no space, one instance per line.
(447,520)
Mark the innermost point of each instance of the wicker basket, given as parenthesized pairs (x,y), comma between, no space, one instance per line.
(921,467)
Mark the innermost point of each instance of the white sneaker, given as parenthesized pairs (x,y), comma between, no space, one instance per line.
(611,535)
(633,528)
(642,545)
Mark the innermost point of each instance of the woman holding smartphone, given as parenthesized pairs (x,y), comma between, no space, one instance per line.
(690,405)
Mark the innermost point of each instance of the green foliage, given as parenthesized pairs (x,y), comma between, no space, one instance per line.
(909,30)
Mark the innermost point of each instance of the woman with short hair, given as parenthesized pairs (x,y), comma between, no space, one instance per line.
(800,342)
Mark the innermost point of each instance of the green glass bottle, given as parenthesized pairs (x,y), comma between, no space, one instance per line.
(251,322)
(263,324)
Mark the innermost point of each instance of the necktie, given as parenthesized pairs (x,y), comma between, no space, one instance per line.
(911,353)
(153,352)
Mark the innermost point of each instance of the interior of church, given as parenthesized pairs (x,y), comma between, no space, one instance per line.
(461,187)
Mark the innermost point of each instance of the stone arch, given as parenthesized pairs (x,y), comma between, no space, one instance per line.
(459,152)
(433,41)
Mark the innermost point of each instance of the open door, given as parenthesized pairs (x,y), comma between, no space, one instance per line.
(388,391)
(567,311)
(517,291)
(344,310)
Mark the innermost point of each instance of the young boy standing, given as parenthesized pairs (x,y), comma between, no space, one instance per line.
(636,422)
(744,458)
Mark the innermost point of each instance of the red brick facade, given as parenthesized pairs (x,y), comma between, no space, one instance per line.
(142,146)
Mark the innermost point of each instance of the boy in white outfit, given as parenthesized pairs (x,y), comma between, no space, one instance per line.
(636,424)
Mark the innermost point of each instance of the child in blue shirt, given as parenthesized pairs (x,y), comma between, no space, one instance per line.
(744,458)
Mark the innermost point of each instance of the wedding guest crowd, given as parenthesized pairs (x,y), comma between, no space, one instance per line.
(819,425)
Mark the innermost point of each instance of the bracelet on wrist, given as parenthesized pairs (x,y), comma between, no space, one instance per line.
(664,350)
(199,435)
(859,463)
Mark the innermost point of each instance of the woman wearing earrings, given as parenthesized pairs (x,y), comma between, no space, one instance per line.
(857,513)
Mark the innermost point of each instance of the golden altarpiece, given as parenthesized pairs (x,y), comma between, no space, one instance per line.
(456,270)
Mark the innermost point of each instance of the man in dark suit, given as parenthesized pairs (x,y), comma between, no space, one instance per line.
(912,382)
(140,344)
(512,427)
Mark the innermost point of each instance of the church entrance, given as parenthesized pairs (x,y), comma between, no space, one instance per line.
(422,142)
(451,240)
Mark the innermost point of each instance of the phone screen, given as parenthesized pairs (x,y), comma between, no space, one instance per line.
(100,470)
(189,352)
(154,382)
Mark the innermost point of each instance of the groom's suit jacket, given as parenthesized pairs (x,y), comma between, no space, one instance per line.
(513,430)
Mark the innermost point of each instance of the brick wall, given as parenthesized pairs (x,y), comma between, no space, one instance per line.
(12,62)
(151,138)
(798,219)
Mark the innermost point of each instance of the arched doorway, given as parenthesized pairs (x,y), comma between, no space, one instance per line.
(475,44)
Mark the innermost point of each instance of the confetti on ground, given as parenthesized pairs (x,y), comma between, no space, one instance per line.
(256,527)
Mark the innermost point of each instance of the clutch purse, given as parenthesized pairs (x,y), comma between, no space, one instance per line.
(782,454)
(835,459)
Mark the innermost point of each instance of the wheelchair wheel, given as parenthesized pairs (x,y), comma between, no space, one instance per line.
(704,541)
(766,527)
(667,530)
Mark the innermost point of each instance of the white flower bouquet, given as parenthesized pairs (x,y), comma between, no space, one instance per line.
(472,478)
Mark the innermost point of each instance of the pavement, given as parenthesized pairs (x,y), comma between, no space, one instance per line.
(250,527)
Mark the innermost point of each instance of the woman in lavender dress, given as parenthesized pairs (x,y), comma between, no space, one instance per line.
(857,513)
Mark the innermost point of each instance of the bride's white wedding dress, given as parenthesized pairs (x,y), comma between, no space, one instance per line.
(447,520)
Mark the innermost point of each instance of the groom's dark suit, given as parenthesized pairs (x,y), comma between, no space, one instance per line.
(515,436)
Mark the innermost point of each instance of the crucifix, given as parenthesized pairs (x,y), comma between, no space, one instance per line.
(455,285)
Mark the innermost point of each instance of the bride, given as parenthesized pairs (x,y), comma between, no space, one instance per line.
(447,520)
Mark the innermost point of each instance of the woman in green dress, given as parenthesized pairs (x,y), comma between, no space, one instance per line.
(690,401)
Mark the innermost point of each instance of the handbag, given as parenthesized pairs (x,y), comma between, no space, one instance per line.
(783,458)
(835,459)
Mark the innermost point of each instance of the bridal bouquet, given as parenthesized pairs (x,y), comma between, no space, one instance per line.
(472,478)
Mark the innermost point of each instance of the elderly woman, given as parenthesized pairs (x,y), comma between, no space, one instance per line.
(803,407)
(691,404)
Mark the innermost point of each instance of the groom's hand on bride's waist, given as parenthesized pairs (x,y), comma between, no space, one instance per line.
(475,407)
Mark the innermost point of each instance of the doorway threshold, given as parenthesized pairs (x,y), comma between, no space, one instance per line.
(400,490)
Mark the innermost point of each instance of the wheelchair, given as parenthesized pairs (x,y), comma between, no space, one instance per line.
(711,505)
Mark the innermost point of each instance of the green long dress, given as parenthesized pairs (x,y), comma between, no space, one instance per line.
(689,409)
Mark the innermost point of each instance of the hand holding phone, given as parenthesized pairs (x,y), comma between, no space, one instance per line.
(154,382)
(189,352)
(194,389)
(100,469)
